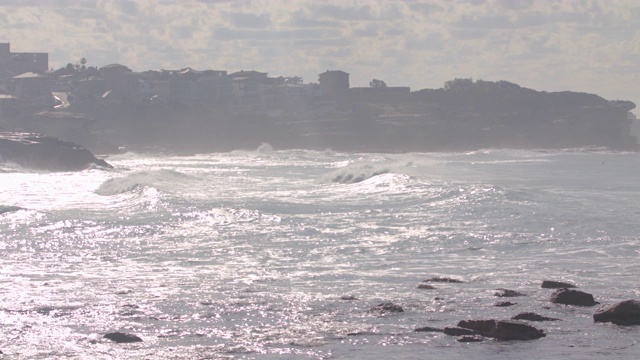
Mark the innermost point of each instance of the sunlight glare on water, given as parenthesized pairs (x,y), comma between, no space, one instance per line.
(275,254)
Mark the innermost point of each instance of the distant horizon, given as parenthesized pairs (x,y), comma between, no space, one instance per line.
(591,47)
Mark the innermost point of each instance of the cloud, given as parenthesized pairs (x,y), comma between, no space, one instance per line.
(584,45)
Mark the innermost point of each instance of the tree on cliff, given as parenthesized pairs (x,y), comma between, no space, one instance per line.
(375,83)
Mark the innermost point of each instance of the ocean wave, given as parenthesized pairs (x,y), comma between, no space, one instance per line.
(161,179)
(352,175)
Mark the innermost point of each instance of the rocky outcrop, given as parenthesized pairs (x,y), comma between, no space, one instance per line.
(458,331)
(426,287)
(622,313)
(550,284)
(386,308)
(122,337)
(508,293)
(504,304)
(428,329)
(40,152)
(441,279)
(573,297)
(503,329)
(533,317)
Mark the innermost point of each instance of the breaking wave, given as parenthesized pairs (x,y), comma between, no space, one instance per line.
(356,173)
(160,179)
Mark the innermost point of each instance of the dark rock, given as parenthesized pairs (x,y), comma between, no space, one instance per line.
(572,297)
(428,329)
(550,284)
(426,287)
(122,337)
(515,330)
(533,317)
(622,313)
(479,326)
(458,331)
(385,308)
(45,153)
(348,297)
(470,338)
(504,304)
(443,280)
(508,293)
(503,329)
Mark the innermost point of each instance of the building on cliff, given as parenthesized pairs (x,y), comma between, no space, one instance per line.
(333,83)
(122,84)
(15,63)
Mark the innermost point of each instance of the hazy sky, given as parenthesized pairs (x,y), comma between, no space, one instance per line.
(591,46)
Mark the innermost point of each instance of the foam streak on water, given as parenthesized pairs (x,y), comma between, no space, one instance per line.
(247,254)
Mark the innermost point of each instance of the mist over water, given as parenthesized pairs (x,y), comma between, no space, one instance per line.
(247,254)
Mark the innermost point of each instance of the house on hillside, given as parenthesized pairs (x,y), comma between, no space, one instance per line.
(32,86)
(248,88)
(13,64)
(122,85)
(333,83)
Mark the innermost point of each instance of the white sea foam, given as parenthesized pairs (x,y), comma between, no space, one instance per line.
(139,179)
(250,254)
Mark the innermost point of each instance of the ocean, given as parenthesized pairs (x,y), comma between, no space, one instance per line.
(273,254)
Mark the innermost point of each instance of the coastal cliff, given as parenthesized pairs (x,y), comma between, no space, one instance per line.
(463,115)
(40,152)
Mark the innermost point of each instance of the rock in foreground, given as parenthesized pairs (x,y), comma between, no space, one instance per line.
(40,152)
(503,329)
(573,297)
(622,313)
(551,284)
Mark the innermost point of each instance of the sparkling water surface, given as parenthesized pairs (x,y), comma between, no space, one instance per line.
(248,255)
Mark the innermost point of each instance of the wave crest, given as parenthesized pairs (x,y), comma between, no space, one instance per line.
(356,174)
(140,179)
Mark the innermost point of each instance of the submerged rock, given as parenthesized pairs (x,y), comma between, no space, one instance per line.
(122,337)
(458,331)
(622,313)
(504,304)
(508,293)
(550,284)
(386,308)
(533,317)
(503,329)
(40,152)
(573,297)
(426,287)
(428,329)
(443,280)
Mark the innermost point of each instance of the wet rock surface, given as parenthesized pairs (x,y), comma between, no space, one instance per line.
(386,308)
(550,284)
(504,304)
(508,293)
(120,337)
(40,152)
(573,297)
(530,316)
(622,313)
(443,279)
(503,329)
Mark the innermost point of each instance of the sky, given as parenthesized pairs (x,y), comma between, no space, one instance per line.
(549,45)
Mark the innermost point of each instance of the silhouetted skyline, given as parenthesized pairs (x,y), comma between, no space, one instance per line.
(566,45)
